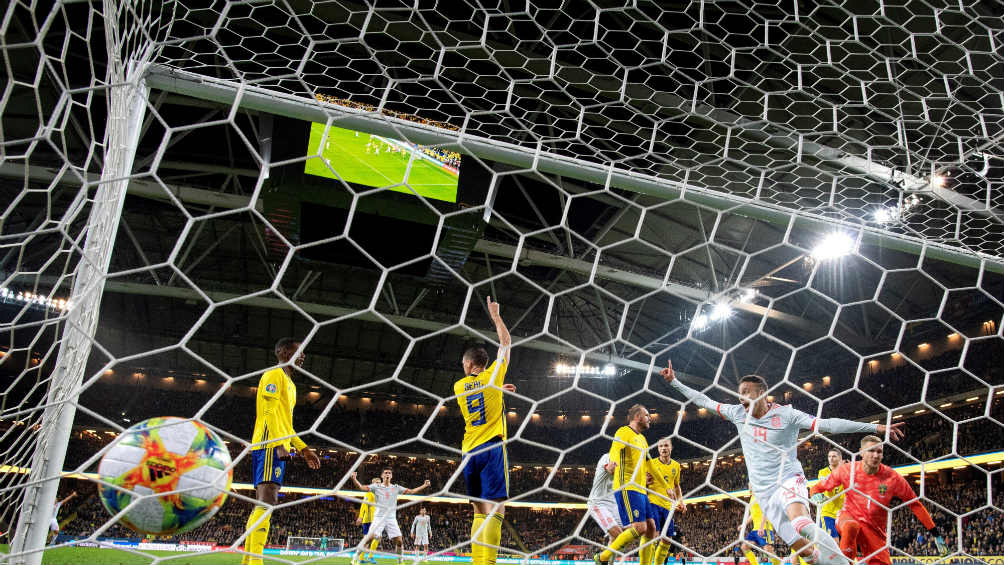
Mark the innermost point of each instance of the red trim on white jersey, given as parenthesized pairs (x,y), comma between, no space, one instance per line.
(718,409)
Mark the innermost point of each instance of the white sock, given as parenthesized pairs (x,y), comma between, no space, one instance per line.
(829,551)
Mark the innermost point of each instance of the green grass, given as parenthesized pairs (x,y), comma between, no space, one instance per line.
(346,152)
(102,556)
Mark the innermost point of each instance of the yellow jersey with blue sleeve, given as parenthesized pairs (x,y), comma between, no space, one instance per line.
(366,508)
(830,509)
(756,515)
(630,451)
(273,425)
(665,479)
(482,404)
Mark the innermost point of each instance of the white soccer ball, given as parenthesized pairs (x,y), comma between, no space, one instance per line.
(169,474)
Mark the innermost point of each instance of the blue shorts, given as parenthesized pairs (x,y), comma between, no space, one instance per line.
(487,471)
(632,506)
(762,541)
(366,528)
(830,525)
(661,516)
(266,467)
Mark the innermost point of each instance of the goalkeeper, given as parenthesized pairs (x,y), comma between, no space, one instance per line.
(869,488)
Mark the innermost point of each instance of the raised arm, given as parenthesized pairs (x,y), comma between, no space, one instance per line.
(359,485)
(505,340)
(418,489)
(697,397)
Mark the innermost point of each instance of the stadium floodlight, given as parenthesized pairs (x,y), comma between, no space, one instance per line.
(938,180)
(834,245)
(885,214)
(608,370)
(747,295)
(700,322)
(721,311)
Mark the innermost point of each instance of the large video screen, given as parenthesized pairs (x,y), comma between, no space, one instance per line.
(372,160)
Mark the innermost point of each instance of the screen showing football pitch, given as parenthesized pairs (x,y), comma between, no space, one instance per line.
(373,160)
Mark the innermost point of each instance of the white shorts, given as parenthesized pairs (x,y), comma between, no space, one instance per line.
(387,525)
(605,514)
(54,525)
(422,539)
(775,506)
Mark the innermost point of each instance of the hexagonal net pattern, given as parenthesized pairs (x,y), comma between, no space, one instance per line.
(810,194)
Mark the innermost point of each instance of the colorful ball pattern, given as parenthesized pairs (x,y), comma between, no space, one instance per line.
(182,462)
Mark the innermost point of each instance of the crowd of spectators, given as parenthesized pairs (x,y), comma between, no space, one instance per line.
(385,111)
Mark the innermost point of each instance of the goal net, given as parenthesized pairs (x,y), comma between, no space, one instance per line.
(810,192)
(296,543)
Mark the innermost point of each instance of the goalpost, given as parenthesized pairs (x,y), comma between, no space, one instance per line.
(716,155)
(298,543)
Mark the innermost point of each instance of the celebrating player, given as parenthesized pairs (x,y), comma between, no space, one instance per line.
(869,487)
(272,437)
(828,512)
(662,508)
(54,523)
(761,534)
(486,472)
(601,504)
(630,464)
(365,518)
(768,434)
(421,529)
(385,512)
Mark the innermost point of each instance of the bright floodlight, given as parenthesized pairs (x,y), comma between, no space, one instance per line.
(747,296)
(833,245)
(884,215)
(609,370)
(938,181)
(700,322)
(721,312)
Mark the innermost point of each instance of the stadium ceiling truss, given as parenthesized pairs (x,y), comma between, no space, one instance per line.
(688,170)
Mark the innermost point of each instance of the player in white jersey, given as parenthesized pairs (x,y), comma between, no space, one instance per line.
(54,522)
(421,529)
(385,512)
(768,434)
(601,504)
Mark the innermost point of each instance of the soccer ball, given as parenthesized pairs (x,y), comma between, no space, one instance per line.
(180,458)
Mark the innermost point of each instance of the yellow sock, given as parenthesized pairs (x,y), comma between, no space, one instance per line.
(373,547)
(661,553)
(751,557)
(626,537)
(491,537)
(645,553)
(254,543)
(477,555)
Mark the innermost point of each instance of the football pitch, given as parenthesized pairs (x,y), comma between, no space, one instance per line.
(345,151)
(103,556)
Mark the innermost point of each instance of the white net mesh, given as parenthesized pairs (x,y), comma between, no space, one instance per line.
(809,193)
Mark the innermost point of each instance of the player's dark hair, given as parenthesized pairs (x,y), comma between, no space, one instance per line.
(387,469)
(634,411)
(285,344)
(477,356)
(755,379)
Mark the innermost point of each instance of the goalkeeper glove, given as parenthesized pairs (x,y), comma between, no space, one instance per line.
(819,498)
(939,541)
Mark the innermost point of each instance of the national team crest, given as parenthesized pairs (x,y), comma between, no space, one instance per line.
(270,387)
(882,489)
(775,421)
(278,472)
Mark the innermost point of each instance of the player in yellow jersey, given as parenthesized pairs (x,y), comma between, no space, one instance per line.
(762,533)
(629,464)
(486,465)
(828,512)
(272,438)
(365,518)
(665,498)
